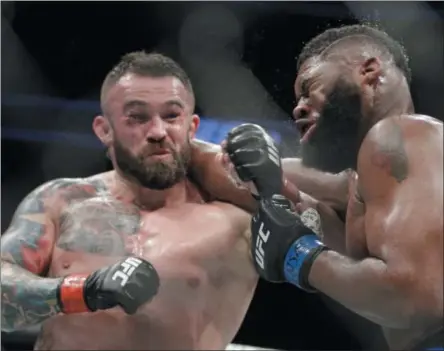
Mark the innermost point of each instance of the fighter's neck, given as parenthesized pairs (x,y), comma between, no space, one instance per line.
(393,109)
(395,104)
(149,199)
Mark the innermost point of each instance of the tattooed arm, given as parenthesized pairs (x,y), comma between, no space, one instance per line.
(400,284)
(26,250)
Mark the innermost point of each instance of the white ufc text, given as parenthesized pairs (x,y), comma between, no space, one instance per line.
(127,268)
(260,241)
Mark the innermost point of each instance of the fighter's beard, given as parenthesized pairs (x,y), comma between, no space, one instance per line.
(158,175)
(334,144)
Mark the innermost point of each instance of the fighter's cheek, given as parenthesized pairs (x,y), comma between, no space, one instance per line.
(176,134)
(318,100)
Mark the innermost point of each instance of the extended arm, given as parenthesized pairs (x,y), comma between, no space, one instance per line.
(208,171)
(400,284)
(26,249)
(331,189)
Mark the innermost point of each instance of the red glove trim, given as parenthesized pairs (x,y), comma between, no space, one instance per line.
(71,294)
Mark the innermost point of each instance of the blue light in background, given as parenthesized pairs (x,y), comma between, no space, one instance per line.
(215,130)
(212,130)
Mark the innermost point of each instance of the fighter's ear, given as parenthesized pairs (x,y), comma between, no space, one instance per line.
(102,128)
(194,124)
(371,71)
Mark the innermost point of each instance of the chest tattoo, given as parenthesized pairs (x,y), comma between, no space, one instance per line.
(98,225)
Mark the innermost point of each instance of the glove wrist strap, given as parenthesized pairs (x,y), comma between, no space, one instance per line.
(71,294)
(300,258)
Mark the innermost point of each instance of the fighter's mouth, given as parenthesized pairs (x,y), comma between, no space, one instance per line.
(159,152)
(306,126)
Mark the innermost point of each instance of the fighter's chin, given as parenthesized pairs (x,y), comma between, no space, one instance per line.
(162,160)
(159,183)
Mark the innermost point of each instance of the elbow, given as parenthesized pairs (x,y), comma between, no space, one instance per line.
(414,305)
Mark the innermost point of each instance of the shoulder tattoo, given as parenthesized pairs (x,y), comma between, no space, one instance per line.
(26,242)
(390,153)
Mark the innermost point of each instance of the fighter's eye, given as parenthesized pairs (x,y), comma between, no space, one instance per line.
(172,115)
(305,89)
(137,116)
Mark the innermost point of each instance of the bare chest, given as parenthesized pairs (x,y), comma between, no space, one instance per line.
(192,247)
(193,250)
(99,231)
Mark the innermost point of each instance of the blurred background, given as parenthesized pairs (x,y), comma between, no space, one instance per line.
(241,58)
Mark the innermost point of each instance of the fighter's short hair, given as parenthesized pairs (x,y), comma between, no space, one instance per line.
(147,64)
(322,41)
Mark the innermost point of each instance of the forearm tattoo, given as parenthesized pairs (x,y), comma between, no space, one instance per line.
(27,299)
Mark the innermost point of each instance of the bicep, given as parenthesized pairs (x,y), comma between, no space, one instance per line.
(29,240)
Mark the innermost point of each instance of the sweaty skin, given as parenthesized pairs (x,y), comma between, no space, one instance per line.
(199,249)
(326,192)
(388,265)
(394,272)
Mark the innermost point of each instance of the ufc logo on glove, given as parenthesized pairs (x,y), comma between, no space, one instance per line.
(260,240)
(128,267)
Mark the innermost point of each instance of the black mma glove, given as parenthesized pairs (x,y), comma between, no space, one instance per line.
(282,247)
(256,158)
(129,284)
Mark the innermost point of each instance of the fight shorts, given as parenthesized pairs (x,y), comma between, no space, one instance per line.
(434,341)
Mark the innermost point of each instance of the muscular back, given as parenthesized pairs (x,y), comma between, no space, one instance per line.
(198,249)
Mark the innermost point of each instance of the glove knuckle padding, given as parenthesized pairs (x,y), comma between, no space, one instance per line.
(244,135)
(256,158)
(243,128)
(128,283)
(246,162)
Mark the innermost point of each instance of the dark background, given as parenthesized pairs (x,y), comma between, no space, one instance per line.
(241,59)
